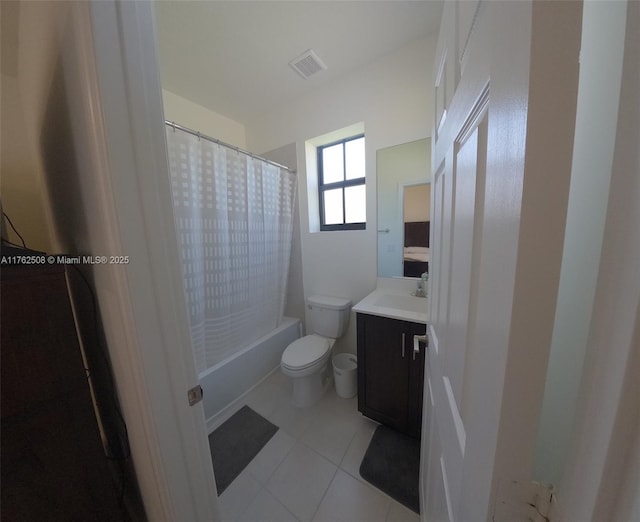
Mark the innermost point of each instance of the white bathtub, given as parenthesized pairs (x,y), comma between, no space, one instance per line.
(227,381)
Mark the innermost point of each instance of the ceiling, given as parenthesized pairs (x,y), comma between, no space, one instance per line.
(232,56)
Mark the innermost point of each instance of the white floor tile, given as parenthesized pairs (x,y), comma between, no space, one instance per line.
(332,403)
(399,513)
(280,379)
(266,397)
(358,447)
(269,458)
(301,481)
(265,508)
(330,434)
(290,418)
(235,498)
(349,500)
(295,477)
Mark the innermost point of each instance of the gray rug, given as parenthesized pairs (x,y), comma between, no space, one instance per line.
(392,464)
(235,442)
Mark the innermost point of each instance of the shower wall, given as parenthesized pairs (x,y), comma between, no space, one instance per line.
(295,306)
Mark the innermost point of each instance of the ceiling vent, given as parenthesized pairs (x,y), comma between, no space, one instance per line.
(307,64)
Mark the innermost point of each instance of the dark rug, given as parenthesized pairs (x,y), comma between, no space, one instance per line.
(392,464)
(235,442)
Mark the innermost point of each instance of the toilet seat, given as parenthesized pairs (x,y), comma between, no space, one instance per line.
(305,352)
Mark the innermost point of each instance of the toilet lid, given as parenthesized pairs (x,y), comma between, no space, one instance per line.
(305,351)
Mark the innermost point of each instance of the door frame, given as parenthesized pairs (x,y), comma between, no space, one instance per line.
(602,476)
(153,364)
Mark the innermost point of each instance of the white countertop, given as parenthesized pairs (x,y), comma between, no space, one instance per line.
(394,300)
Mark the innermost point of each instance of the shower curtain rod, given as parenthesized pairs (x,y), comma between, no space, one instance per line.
(175,126)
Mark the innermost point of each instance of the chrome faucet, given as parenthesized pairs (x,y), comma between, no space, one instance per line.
(421,285)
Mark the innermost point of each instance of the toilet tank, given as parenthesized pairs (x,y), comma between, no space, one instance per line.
(329,315)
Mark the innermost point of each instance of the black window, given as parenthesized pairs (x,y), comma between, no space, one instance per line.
(341,180)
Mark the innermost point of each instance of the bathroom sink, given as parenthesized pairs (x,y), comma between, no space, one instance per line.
(395,304)
(407,303)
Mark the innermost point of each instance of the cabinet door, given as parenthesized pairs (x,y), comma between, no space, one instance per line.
(383,371)
(416,378)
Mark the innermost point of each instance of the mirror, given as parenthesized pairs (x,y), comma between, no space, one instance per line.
(404,200)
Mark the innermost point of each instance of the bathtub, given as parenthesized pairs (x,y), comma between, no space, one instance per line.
(228,381)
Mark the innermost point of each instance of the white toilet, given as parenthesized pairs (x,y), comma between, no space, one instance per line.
(308,360)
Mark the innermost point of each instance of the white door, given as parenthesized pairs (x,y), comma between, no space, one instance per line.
(499,192)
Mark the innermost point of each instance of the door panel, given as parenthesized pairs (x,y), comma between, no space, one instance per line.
(435,500)
(465,15)
(470,352)
(435,242)
(464,177)
(445,182)
(448,435)
(446,68)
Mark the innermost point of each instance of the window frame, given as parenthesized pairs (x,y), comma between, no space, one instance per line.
(345,183)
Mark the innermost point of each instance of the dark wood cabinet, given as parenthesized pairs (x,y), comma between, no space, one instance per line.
(390,372)
(53,463)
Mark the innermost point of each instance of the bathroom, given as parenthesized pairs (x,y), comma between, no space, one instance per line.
(388,98)
(79,89)
(385,96)
(62,201)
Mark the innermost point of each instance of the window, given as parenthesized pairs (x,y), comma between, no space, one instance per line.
(341,185)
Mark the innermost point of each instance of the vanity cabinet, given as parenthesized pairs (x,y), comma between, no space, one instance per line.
(390,372)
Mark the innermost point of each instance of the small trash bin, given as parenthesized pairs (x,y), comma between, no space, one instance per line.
(345,366)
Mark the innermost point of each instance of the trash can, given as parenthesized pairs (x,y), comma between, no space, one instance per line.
(345,366)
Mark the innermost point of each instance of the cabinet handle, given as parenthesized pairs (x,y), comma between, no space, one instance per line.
(403,345)
(416,344)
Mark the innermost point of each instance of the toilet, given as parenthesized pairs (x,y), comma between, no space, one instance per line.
(308,360)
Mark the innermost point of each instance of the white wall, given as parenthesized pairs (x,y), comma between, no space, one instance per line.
(598,96)
(196,117)
(30,54)
(393,97)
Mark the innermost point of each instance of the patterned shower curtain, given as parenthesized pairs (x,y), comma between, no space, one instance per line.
(234,219)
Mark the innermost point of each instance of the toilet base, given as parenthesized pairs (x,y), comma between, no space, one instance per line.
(308,390)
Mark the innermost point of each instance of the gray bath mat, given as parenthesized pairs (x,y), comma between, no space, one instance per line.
(235,442)
(392,464)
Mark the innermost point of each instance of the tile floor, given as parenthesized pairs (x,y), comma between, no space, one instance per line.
(308,471)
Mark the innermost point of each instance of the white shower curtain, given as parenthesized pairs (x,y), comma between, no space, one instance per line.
(234,218)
